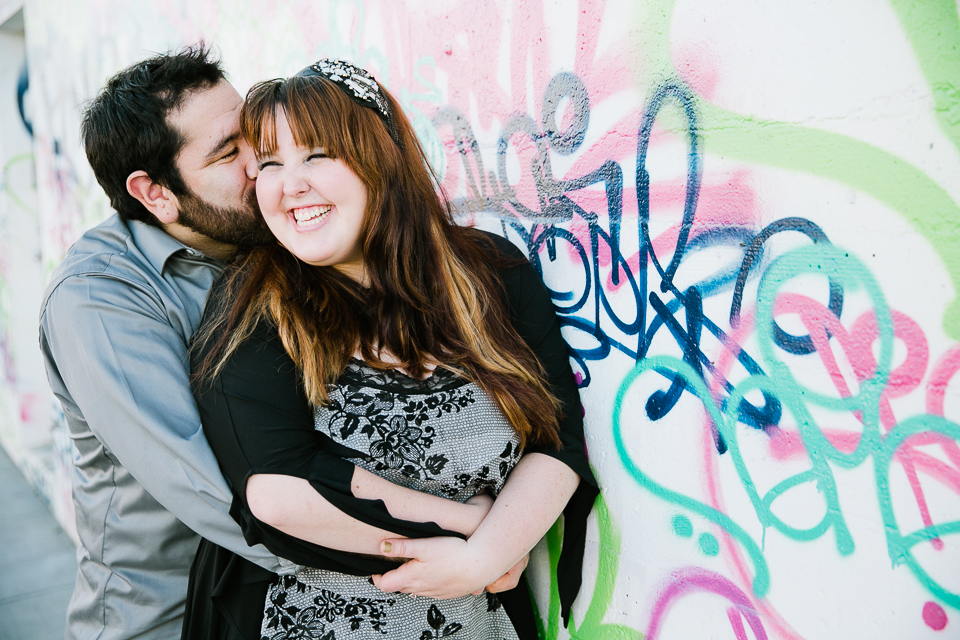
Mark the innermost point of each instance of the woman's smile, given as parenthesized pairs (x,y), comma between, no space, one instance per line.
(309,218)
(314,204)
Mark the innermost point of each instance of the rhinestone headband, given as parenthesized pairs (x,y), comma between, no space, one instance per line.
(359,85)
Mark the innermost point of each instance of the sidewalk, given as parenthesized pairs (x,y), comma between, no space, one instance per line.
(37,562)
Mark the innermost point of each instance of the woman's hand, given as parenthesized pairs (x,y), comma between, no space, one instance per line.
(530,502)
(420,579)
(441,568)
(510,579)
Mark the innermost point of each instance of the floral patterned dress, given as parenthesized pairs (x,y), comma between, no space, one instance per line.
(441,435)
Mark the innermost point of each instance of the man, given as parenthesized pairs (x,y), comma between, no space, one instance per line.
(164,141)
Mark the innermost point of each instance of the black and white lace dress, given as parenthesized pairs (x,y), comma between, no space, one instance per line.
(442,435)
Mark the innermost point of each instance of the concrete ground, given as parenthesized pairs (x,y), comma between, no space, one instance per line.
(38,562)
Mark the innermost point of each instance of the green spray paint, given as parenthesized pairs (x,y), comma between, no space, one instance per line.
(933,29)
(592,627)
(5,183)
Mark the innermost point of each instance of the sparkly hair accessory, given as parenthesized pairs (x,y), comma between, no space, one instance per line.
(358,84)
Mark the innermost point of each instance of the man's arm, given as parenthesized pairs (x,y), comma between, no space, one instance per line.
(109,345)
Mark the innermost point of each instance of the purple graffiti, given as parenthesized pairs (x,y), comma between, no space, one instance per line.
(696,579)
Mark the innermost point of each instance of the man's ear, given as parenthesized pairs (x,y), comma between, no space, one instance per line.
(158,200)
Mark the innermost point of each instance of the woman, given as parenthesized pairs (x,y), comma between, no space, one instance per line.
(370,372)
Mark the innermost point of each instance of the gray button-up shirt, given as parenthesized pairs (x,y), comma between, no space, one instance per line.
(115,323)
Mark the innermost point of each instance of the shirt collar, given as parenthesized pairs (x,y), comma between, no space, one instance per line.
(158,246)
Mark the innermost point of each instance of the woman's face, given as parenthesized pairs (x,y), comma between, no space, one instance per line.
(313,204)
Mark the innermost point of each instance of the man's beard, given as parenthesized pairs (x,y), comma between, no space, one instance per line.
(242,227)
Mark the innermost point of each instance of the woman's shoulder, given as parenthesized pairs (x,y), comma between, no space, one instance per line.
(214,324)
(521,283)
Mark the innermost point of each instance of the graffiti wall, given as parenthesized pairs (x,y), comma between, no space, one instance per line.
(749,217)
(25,429)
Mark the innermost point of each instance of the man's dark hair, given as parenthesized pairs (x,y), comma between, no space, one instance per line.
(125,128)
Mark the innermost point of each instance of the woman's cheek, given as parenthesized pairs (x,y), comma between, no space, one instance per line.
(267,196)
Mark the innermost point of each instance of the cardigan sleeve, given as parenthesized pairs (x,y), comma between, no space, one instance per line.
(534,317)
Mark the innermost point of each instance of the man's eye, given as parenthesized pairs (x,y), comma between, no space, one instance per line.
(233,153)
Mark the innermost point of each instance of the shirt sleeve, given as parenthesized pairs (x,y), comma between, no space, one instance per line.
(258,420)
(111,344)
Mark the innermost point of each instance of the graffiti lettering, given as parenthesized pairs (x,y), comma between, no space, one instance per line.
(547,214)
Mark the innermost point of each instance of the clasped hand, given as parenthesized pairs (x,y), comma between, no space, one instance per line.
(445,568)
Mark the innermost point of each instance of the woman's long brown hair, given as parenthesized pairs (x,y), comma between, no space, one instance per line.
(433,295)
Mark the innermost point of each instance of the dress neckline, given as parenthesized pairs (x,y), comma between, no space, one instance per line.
(360,374)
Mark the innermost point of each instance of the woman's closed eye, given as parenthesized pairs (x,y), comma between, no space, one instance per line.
(263,164)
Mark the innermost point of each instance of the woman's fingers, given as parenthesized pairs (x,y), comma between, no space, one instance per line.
(378,583)
(439,568)
(510,579)
(396,580)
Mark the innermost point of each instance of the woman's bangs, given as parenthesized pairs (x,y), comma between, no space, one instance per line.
(314,115)
(265,137)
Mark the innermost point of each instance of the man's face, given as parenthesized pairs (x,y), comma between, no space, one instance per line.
(218,167)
